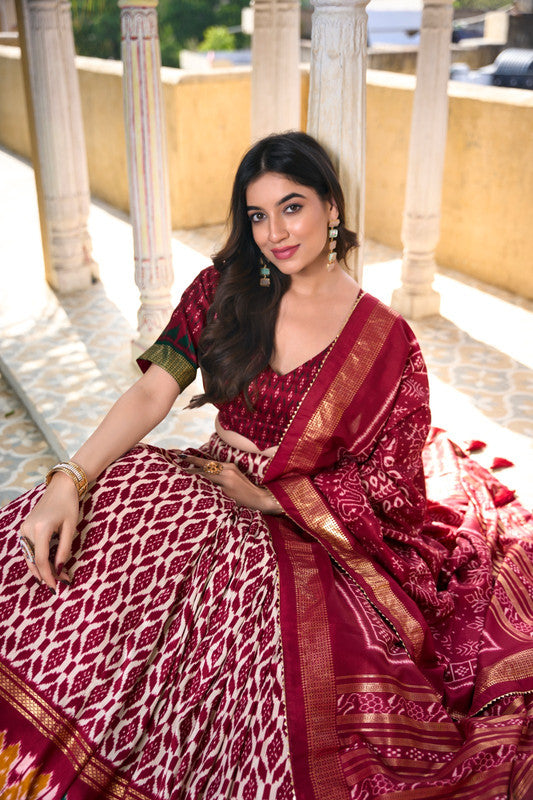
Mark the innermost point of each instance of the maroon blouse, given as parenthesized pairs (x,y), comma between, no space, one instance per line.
(275,397)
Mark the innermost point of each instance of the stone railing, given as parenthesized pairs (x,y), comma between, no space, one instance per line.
(488,186)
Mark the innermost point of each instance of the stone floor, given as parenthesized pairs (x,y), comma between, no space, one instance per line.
(68,358)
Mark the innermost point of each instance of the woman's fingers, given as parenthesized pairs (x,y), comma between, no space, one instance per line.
(219,472)
(196,461)
(35,548)
(42,559)
(205,466)
(33,569)
(228,476)
(68,531)
(27,549)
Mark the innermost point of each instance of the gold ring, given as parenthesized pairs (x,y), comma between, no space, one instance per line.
(212,467)
(27,548)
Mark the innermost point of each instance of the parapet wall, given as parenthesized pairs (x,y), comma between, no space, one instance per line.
(402,58)
(486,229)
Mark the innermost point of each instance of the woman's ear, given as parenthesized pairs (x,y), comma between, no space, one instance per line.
(333,210)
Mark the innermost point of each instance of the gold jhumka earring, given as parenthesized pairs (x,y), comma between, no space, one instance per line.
(333,233)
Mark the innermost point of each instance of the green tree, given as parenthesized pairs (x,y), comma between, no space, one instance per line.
(187,19)
(229,14)
(182,23)
(97,28)
(217,37)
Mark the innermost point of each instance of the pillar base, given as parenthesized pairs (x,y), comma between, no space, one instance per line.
(70,281)
(415,306)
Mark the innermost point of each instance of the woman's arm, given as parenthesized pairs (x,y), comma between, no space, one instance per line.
(169,364)
(134,415)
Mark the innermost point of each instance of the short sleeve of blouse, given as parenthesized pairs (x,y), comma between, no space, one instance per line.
(175,350)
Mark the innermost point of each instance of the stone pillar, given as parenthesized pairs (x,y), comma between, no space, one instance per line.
(275,67)
(147,166)
(58,142)
(421,222)
(337,101)
(8,15)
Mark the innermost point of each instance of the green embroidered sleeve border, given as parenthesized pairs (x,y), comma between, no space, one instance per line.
(174,363)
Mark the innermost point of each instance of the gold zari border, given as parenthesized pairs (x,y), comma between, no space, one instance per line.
(341,391)
(514,667)
(172,362)
(89,767)
(320,522)
(317,674)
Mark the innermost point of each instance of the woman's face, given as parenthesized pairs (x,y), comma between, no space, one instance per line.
(289,223)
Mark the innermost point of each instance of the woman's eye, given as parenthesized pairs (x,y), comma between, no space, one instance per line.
(258,216)
(293,208)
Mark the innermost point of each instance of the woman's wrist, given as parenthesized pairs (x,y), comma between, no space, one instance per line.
(61,482)
(271,505)
(74,472)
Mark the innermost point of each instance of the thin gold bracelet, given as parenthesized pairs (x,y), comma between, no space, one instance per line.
(75,473)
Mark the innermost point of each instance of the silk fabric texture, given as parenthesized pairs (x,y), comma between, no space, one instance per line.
(411,621)
(367,644)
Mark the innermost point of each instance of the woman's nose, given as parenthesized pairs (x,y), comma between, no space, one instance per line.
(277,230)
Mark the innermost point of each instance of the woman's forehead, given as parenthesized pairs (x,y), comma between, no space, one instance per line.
(272,187)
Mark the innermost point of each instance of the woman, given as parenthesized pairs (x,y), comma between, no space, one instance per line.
(280,614)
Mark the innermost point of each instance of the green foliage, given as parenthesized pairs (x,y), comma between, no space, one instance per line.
(187,19)
(170,50)
(80,7)
(480,5)
(182,24)
(97,28)
(217,37)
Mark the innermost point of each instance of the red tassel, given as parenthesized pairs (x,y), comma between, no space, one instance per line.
(503,496)
(501,463)
(475,445)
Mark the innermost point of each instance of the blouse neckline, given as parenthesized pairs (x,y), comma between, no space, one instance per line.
(307,363)
(323,352)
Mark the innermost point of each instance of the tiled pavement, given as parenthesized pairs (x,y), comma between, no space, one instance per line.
(70,358)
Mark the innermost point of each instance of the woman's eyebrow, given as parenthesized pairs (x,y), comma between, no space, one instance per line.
(279,203)
(289,197)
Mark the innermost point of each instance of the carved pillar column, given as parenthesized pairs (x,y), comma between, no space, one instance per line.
(58,142)
(147,166)
(275,67)
(8,15)
(337,100)
(421,222)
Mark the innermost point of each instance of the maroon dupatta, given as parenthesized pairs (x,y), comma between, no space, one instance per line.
(349,421)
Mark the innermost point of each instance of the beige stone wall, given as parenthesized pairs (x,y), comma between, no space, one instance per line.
(204,142)
(487,199)
(402,58)
(389,107)
(488,183)
(486,228)
(208,126)
(14,131)
(103,119)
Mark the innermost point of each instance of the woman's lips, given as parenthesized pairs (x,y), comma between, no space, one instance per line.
(285,252)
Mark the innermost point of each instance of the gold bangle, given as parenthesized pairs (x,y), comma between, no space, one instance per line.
(74,471)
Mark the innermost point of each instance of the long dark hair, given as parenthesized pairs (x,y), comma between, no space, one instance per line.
(238,340)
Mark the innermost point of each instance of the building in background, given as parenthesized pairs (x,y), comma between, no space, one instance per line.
(395,22)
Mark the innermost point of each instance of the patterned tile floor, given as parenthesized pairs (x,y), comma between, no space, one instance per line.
(72,357)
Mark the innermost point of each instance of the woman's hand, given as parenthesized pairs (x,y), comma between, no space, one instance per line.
(233,483)
(56,511)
